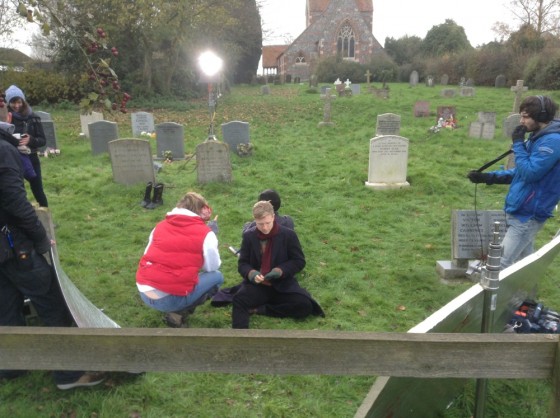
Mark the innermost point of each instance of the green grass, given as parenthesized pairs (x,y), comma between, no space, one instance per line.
(368,252)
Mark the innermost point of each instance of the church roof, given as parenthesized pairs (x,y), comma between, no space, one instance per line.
(321,5)
(270,54)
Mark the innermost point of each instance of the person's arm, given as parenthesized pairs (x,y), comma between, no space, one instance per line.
(533,166)
(244,265)
(212,261)
(37,138)
(296,259)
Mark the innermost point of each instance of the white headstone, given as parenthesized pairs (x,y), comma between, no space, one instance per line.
(85,120)
(388,162)
(142,122)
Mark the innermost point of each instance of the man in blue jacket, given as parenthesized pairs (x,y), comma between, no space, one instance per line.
(534,182)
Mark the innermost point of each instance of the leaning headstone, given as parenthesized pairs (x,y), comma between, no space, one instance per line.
(510,123)
(388,162)
(235,133)
(413,79)
(142,122)
(388,124)
(448,93)
(518,89)
(500,81)
(471,233)
(50,135)
(170,139)
(421,109)
(131,161)
(444,80)
(100,133)
(212,162)
(467,91)
(86,119)
(328,98)
(484,127)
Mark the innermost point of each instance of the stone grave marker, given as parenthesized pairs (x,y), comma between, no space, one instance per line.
(265,90)
(85,120)
(500,81)
(212,162)
(518,89)
(444,80)
(448,93)
(235,133)
(48,129)
(469,82)
(421,109)
(446,112)
(313,80)
(467,91)
(368,75)
(328,98)
(430,81)
(170,137)
(413,79)
(142,122)
(356,89)
(324,89)
(510,123)
(471,233)
(388,162)
(388,124)
(131,161)
(484,127)
(100,133)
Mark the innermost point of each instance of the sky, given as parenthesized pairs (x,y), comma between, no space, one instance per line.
(397,18)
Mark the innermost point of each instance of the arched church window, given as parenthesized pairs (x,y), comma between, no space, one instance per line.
(346,41)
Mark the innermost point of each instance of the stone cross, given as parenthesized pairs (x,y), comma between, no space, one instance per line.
(347,83)
(368,75)
(328,98)
(519,88)
(337,82)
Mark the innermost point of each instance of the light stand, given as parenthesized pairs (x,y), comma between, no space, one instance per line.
(211,65)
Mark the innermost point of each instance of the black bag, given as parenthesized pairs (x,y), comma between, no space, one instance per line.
(14,243)
(534,317)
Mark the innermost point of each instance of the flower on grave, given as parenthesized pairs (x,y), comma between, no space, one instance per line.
(150,135)
(244,150)
(168,156)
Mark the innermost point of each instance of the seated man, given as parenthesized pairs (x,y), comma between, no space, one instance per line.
(270,257)
(179,268)
(273,197)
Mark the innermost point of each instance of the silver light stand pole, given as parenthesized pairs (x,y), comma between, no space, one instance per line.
(212,110)
(489,281)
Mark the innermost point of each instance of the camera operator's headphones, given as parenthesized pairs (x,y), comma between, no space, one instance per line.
(543,114)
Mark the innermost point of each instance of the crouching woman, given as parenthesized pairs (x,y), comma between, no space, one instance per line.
(179,268)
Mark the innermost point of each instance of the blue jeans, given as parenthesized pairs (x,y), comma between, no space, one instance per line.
(208,284)
(519,240)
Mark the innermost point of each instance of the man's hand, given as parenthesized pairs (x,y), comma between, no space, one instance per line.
(275,273)
(478,177)
(518,134)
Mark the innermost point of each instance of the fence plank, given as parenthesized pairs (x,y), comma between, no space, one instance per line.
(529,356)
(555,407)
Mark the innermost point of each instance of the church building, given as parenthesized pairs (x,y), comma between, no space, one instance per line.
(333,27)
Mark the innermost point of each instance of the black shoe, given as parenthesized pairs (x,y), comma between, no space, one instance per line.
(11,374)
(157,200)
(147,195)
(176,320)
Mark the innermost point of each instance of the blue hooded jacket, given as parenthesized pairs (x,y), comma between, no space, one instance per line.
(535,179)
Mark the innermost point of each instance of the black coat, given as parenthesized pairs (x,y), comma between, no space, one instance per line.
(15,209)
(32,126)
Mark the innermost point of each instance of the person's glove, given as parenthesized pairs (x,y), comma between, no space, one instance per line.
(275,273)
(252,274)
(478,177)
(518,134)
(213,225)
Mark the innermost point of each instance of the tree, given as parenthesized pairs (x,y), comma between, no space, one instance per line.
(542,15)
(447,38)
(403,50)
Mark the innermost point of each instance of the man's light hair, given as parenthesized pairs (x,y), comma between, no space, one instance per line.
(262,208)
(193,202)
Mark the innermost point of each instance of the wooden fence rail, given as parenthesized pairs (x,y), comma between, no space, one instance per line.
(432,355)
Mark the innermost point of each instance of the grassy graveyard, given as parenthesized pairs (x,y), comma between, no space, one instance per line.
(371,255)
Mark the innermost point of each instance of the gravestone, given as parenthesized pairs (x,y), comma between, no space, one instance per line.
(313,80)
(212,162)
(446,112)
(265,90)
(324,89)
(388,162)
(235,133)
(518,89)
(328,98)
(467,91)
(142,122)
(48,129)
(444,80)
(413,79)
(510,123)
(469,83)
(500,81)
(131,161)
(170,137)
(421,109)
(484,127)
(100,133)
(430,81)
(368,75)
(85,120)
(356,89)
(448,93)
(388,124)
(471,233)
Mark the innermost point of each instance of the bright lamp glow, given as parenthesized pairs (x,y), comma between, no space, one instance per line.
(210,63)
